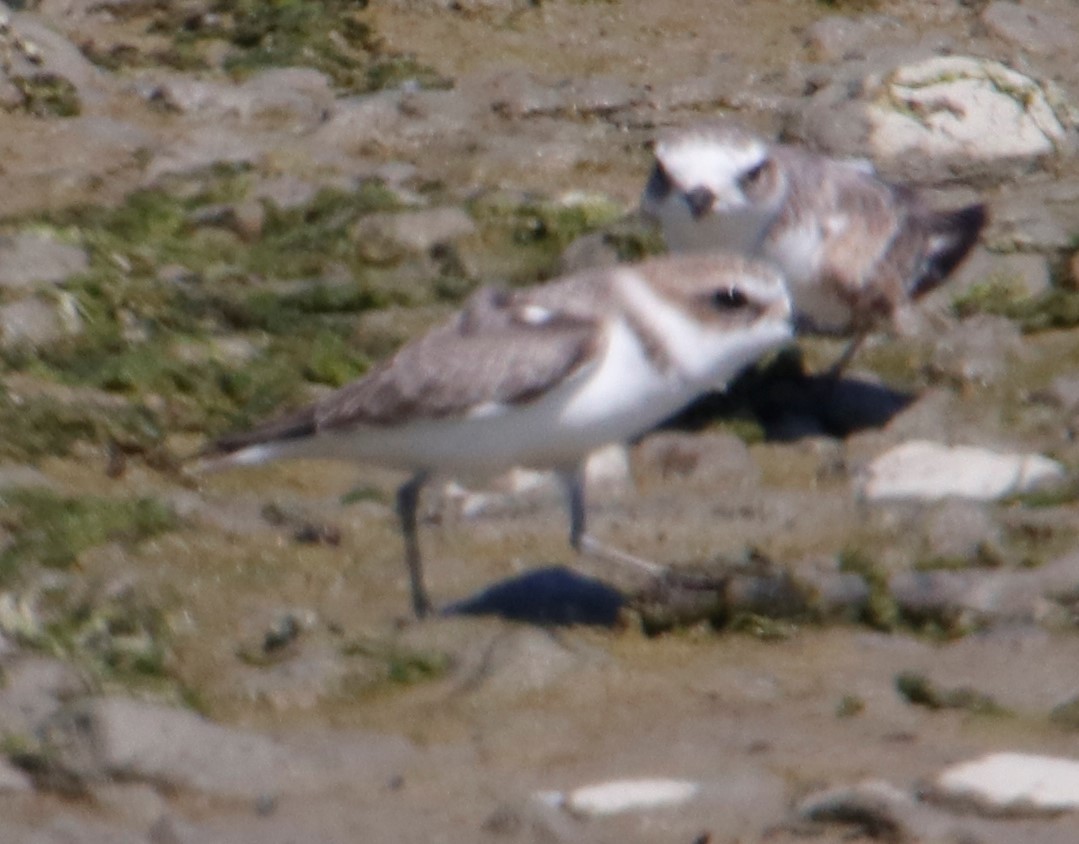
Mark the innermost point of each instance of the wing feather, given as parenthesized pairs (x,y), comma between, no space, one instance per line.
(500,349)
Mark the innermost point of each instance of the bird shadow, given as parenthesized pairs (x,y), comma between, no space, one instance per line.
(552,596)
(790,403)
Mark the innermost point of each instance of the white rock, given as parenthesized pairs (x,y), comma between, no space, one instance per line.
(610,798)
(959,108)
(1013,781)
(929,471)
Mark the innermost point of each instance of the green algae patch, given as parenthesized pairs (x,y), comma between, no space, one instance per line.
(397,663)
(40,428)
(47,529)
(47,95)
(523,238)
(1054,309)
(919,690)
(331,36)
(167,273)
(881,611)
(850,706)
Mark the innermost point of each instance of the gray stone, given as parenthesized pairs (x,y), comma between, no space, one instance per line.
(285,191)
(174,748)
(68,826)
(202,146)
(48,52)
(137,803)
(520,93)
(396,119)
(358,122)
(1064,391)
(12,780)
(959,530)
(300,682)
(538,819)
(35,688)
(598,95)
(519,663)
(939,596)
(587,252)
(1034,30)
(1038,216)
(837,37)
(722,460)
(169,829)
(30,259)
(391,237)
(1022,275)
(830,592)
(928,471)
(34,322)
(980,350)
(300,97)
(468,8)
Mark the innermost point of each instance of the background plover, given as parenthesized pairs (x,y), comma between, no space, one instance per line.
(854,248)
(538,377)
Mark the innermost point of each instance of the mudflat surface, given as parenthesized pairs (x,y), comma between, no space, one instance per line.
(223,212)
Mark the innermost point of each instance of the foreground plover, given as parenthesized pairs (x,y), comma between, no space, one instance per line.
(538,377)
(854,248)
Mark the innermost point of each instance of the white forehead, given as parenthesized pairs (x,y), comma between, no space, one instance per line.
(714,162)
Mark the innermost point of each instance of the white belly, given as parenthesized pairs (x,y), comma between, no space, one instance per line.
(621,397)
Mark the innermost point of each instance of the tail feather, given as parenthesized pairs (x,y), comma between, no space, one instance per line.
(258,445)
(952,234)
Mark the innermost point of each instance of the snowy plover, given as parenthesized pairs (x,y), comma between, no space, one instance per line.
(854,248)
(538,377)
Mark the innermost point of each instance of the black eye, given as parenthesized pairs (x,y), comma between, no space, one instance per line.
(752,176)
(659,183)
(729,299)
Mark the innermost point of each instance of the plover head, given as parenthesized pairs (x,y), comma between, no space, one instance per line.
(732,309)
(715,186)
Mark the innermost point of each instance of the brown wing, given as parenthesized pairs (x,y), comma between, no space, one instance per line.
(501,348)
(492,352)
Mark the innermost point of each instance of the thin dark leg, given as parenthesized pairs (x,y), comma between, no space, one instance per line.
(573,484)
(836,369)
(408,499)
(582,542)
